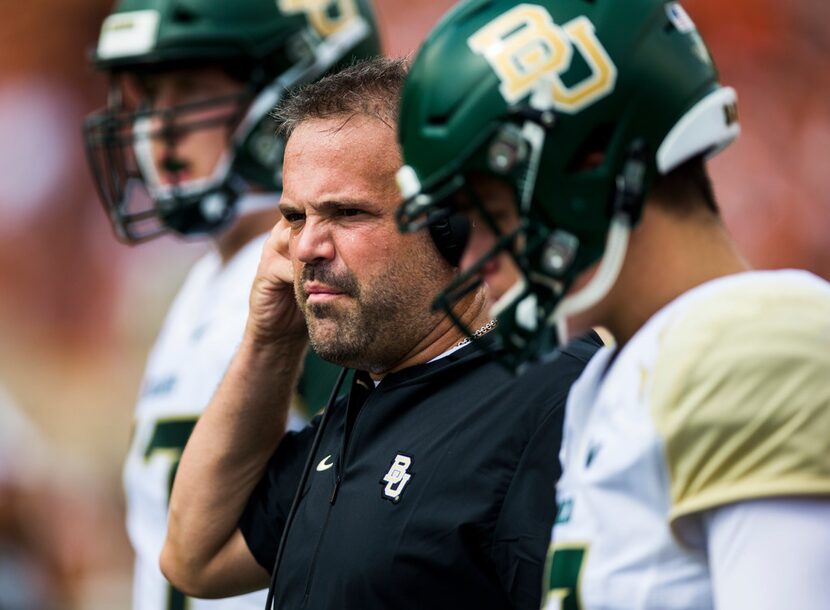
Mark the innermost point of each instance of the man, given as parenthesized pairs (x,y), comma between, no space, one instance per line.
(430,485)
(186,146)
(697,450)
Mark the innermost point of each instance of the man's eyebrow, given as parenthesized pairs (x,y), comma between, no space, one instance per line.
(329,206)
(335,205)
(287,208)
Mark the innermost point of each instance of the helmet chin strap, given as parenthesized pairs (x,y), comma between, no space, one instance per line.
(603,280)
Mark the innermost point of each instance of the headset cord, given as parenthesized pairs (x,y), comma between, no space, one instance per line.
(269,602)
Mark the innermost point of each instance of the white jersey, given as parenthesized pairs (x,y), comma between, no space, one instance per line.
(199,336)
(722,397)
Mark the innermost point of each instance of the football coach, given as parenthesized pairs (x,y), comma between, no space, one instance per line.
(431,484)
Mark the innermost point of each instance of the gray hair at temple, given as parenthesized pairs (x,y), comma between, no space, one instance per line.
(370,87)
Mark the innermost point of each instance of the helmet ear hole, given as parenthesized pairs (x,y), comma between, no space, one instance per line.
(592,152)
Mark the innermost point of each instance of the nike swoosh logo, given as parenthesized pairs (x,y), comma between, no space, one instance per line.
(323,465)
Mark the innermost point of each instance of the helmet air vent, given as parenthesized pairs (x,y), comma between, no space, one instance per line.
(592,151)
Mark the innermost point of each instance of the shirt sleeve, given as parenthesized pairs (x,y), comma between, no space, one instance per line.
(263,518)
(770,554)
(522,533)
(741,399)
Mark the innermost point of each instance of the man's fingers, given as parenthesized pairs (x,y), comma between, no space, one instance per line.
(276,261)
(282,234)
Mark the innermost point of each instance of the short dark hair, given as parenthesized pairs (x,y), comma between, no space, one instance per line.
(685,189)
(370,87)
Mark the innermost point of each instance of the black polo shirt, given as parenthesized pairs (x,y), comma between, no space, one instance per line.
(434,490)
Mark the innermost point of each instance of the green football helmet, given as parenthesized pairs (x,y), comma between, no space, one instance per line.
(531,92)
(268,45)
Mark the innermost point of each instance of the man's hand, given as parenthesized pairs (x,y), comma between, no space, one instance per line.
(274,314)
(205,554)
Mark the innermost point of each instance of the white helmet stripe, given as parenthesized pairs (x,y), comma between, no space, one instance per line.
(708,127)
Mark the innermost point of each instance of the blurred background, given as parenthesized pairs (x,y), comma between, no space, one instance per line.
(78,310)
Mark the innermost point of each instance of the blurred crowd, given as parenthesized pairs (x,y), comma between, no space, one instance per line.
(78,310)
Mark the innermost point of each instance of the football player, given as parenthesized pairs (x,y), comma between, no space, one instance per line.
(573,135)
(185,145)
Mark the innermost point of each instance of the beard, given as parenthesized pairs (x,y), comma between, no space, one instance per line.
(377,322)
(336,332)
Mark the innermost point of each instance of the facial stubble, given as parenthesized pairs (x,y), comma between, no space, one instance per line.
(374,325)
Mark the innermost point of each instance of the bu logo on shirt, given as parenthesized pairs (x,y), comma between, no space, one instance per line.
(396,478)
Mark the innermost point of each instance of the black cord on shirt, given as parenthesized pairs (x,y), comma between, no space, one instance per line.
(269,602)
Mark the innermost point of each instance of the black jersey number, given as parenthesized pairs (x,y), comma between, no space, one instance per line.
(563,577)
(169,438)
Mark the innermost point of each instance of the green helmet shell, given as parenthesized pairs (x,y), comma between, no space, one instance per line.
(453,102)
(534,91)
(163,32)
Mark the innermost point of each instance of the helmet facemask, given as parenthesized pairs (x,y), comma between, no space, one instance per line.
(130,146)
(532,313)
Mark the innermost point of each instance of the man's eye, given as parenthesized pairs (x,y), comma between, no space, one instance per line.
(349,212)
(294,217)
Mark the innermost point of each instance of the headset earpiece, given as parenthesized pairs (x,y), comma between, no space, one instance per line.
(450,233)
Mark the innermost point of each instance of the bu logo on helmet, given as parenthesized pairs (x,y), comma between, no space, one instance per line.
(527,50)
(397,477)
(318,12)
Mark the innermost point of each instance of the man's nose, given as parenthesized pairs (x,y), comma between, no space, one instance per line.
(165,95)
(314,242)
(165,122)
